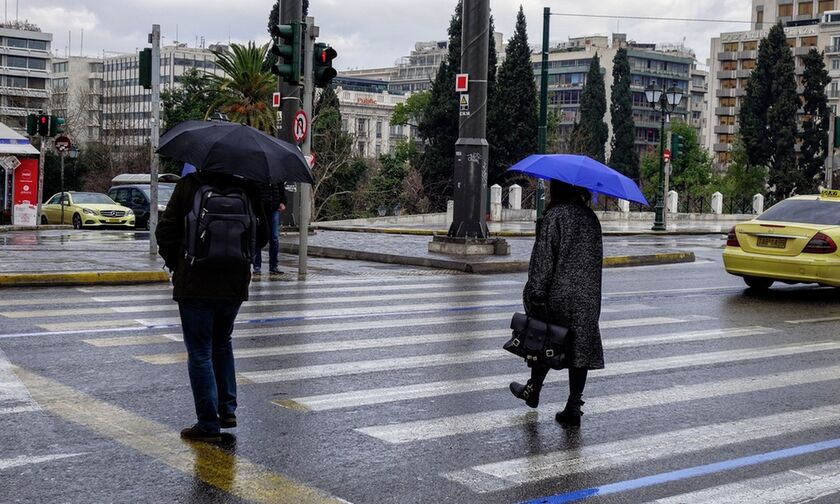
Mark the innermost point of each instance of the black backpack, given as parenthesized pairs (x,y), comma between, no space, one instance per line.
(221,228)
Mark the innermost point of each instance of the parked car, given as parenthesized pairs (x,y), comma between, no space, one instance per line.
(795,241)
(137,197)
(85,209)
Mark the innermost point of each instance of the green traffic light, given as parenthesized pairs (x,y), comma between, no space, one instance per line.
(56,126)
(287,44)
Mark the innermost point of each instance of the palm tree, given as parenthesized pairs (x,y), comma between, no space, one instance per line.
(244,89)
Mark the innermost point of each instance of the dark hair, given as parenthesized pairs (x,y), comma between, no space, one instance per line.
(561,192)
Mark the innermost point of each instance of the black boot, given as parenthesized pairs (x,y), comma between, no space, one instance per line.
(529,392)
(570,416)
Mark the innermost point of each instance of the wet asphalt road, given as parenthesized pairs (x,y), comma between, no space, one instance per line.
(390,386)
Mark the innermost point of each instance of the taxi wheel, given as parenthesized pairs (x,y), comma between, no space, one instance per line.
(758,282)
(77,221)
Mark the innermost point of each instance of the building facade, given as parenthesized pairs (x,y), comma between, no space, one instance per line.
(126,105)
(569,64)
(24,73)
(77,96)
(809,24)
(367,116)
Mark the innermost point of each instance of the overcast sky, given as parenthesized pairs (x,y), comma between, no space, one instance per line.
(366,33)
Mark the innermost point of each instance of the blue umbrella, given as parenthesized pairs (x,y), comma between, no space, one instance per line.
(581,171)
(188,168)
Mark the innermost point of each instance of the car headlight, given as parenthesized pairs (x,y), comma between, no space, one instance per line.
(129,212)
(89,211)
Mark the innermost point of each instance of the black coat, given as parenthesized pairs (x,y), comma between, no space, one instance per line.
(272,195)
(230,284)
(565,273)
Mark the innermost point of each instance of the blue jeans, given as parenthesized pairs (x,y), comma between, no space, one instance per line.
(207,327)
(273,244)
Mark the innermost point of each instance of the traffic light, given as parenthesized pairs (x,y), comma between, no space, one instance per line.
(322,69)
(44,125)
(287,45)
(56,126)
(676,146)
(144,71)
(32,124)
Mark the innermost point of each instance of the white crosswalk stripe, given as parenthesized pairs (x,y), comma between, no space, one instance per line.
(804,484)
(509,473)
(14,397)
(383,395)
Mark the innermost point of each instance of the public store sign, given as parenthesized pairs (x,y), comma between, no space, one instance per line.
(25,197)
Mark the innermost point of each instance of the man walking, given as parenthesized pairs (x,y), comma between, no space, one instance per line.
(273,198)
(211,278)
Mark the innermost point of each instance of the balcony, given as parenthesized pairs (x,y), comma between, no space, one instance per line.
(743,74)
(721,147)
(802,51)
(832,49)
(726,93)
(747,54)
(726,129)
(727,56)
(726,74)
(726,111)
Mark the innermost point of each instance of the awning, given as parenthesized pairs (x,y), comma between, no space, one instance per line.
(13,143)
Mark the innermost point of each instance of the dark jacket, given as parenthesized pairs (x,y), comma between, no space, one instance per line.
(272,195)
(229,284)
(565,273)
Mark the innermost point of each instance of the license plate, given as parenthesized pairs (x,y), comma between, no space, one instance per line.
(771,242)
(113,220)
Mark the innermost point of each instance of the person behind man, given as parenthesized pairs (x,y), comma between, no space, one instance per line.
(210,290)
(273,198)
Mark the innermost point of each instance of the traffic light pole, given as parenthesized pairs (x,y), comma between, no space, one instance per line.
(155,139)
(62,187)
(291,11)
(41,155)
(543,130)
(668,138)
(306,189)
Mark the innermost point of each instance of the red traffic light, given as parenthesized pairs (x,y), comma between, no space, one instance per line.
(43,119)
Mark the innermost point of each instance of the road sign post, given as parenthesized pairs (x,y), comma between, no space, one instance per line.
(62,145)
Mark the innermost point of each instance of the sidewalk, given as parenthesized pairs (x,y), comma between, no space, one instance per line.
(71,257)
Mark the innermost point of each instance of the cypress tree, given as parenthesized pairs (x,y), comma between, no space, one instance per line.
(515,104)
(768,114)
(623,155)
(592,132)
(816,122)
(274,19)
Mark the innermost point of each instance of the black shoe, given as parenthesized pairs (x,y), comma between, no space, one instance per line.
(528,392)
(275,271)
(195,433)
(570,416)
(227,421)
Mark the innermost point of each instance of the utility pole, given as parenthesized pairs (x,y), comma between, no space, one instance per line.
(306,189)
(543,130)
(471,148)
(154,38)
(41,167)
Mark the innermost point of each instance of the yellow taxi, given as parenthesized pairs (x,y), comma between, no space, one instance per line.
(85,209)
(795,241)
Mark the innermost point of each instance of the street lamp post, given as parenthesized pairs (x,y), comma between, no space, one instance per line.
(667,99)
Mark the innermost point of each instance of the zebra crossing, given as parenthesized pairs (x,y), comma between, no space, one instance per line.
(388,357)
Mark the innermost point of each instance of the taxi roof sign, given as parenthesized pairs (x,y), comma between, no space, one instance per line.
(830,193)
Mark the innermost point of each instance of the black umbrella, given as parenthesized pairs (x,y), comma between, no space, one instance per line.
(235,149)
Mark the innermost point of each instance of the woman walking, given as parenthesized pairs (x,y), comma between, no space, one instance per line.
(564,283)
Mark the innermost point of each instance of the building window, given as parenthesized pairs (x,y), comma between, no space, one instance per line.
(727,120)
(60,67)
(825,5)
(759,18)
(360,148)
(808,41)
(743,83)
(728,83)
(16,61)
(361,128)
(786,10)
(378,130)
(791,42)
(725,138)
(727,102)
(730,47)
(806,8)
(38,45)
(724,157)
(729,65)
(752,45)
(747,64)
(835,64)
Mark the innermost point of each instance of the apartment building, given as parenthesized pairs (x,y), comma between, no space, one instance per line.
(671,66)
(24,73)
(366,110)
(77,96)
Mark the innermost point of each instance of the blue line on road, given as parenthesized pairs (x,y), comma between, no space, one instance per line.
(691,472)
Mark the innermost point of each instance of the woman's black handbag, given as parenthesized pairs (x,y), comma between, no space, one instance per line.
(539,342)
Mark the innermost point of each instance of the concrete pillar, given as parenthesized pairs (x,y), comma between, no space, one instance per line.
(758,203)
(515,197)
(673,201)
(623,206)
(496,203)
(450,212)
(717,203)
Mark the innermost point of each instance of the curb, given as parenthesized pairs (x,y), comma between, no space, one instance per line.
(46,227)
(508,234)
(488,267)
(82,278)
